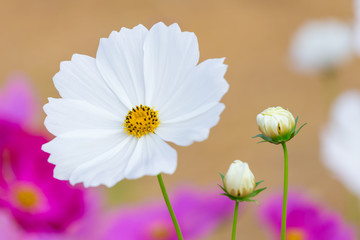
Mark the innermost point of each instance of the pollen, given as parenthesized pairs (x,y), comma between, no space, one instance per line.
(140,121)
(160,231)
(296,234)
(27,198)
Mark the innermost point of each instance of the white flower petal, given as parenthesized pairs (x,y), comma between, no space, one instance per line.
(107,168)
(341,160)
(204,86)
(151,157)
(113,157)
(65,115)
(70,150)
(120,59)
(197,128)
(356,27)
(80,79)
(169,56)
(339,146)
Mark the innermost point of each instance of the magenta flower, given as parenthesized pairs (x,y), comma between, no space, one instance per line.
(198,212)
(86,228)
(8,227)
(306,220)
(17,101)
(37,201)
(10,230)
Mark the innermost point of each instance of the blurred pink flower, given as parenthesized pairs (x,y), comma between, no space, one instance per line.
(8,227)
(86,228)
(198,213)
(306,220)
(17,100)
(37,201)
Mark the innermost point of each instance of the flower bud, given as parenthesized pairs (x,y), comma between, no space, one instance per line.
(239,181)
(276,123)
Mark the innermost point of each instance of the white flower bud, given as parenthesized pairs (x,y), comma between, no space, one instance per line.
(275,122)
(239,181)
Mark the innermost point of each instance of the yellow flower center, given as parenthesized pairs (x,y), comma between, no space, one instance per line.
(160,232)
(27,197)
(140,121)
(296,234)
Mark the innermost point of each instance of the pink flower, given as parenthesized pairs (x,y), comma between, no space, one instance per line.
(198,213)
(306,220)
(37,201)
(17,101)
(8,227)
(86,228)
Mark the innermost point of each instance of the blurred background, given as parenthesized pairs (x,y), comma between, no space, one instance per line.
(254,36)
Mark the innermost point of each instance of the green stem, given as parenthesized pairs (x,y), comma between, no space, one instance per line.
(235,220)
(353,209)
(330,87)
(168,204)
(286,178)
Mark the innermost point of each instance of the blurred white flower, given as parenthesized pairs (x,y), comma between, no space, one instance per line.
(357,37)
(320,45)
(340,144)
(357,26)
(117,110)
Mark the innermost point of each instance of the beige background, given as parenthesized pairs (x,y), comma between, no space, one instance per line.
(253,35)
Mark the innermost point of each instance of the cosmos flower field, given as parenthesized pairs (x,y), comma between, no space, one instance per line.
(168,120)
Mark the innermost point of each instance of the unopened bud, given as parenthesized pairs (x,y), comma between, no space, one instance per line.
(239,181)
(275,123)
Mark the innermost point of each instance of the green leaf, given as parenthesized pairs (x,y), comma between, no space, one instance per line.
(222,176)
(256,192)
(300,128)
(257,184)
(247,198)
(222,188)
(259,135)
(251,200)
(266,138)
(296,120)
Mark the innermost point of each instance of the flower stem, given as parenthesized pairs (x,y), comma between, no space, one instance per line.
(168,204)
(330,87)
(235,220)
(286,178)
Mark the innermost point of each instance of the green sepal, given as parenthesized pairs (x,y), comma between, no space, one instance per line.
(247,198)
(256,192)
(222,176)
(297,131)
(293,130)
(222,187)
(283,138)
(257,184)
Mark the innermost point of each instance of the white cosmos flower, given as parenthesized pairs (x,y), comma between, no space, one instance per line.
(148,79)
(357,26)
(340,146)
(319,45)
